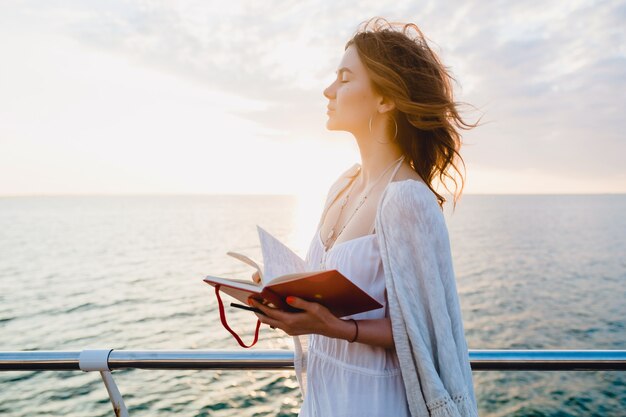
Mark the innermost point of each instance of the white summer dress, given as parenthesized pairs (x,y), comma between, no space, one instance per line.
(353,379)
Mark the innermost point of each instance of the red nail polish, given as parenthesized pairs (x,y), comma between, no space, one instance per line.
(250,302)
(290,299)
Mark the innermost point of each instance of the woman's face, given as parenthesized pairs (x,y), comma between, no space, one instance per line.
(351,99)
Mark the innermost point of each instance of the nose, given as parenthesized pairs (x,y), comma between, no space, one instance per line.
(329,92)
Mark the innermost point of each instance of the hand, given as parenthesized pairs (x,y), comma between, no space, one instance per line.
(314,319)
(256,277)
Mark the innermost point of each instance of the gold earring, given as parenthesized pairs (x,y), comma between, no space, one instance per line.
(394,136)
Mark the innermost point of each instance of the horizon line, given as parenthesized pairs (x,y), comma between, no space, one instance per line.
(265,194)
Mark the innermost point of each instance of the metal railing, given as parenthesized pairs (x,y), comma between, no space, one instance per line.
(105,360)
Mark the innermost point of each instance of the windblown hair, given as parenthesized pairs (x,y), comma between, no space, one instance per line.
(403,68)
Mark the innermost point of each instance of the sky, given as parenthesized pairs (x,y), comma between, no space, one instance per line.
(203,97)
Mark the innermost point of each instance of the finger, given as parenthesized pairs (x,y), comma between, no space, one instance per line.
(273,313)
(300,303)
(266,320)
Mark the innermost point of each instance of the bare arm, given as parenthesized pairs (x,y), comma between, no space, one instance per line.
(317,319)
(375,332)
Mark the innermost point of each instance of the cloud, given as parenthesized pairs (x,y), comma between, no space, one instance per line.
(548,77)
(552,84)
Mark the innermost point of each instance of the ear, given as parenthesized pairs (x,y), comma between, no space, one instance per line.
(385,105)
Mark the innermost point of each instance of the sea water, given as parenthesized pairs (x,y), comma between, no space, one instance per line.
(125,272)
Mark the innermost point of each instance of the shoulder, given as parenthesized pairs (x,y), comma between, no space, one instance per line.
(410,200)
(350,172)
(345,176)
(410,193)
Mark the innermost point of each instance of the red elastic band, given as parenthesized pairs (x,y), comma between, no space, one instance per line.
(223,319)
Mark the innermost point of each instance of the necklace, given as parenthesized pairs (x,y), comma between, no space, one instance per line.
(345,201)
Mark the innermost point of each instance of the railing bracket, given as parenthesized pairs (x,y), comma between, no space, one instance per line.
(98,360)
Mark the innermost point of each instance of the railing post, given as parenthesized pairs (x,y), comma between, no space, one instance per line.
(98,360)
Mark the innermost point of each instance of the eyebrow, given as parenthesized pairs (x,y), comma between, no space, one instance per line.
(343,69)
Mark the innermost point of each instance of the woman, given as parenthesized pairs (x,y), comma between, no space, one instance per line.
(383,227)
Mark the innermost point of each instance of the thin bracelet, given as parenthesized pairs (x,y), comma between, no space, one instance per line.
(357,331)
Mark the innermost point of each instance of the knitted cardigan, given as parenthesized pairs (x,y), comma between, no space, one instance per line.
(423,303)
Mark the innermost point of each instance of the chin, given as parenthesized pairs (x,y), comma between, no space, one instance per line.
(332,123)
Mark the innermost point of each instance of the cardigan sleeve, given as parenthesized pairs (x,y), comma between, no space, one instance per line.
(423,302)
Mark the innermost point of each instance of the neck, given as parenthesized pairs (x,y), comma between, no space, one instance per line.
(378,151)
(375,158)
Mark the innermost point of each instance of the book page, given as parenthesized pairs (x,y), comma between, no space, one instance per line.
(278,259)
(247,260)
(234,283)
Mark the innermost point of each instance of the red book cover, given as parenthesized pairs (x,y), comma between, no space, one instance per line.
(329,288)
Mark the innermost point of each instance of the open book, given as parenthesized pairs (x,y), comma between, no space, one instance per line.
(283,273)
